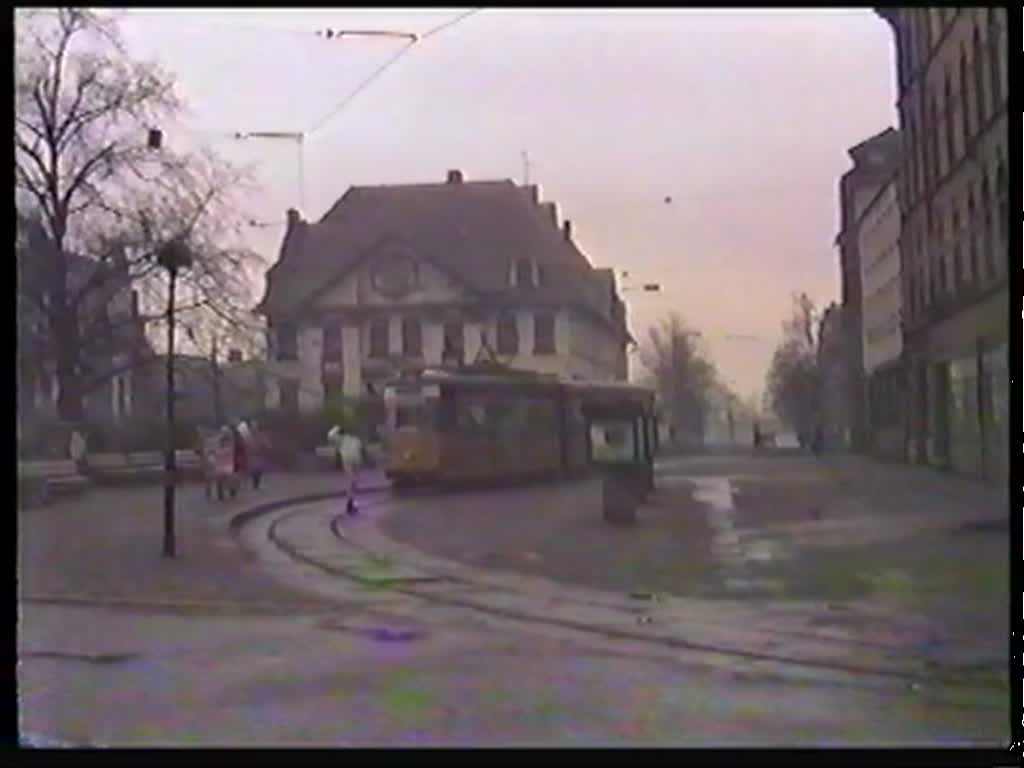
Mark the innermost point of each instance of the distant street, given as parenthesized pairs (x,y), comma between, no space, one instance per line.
(368,661)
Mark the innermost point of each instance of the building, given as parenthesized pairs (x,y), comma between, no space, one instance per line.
(833,365)
(111,330)
(401,277)
(874,162)
(953,191)
(878,232)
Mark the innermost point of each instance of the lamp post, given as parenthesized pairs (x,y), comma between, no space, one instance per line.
(173,257)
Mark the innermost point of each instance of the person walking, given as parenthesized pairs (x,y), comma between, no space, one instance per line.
(241,464)
(259,447)
(351,453)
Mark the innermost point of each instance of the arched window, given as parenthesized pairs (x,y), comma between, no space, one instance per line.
(994,61)
(965,104)
(979,80)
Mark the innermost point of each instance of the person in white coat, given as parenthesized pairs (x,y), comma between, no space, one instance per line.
(351,454)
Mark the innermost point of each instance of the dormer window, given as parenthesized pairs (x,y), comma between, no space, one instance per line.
(523,273)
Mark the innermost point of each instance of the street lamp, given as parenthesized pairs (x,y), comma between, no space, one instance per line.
(174,257)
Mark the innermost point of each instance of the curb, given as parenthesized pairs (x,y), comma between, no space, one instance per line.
(238,519)
(180,605)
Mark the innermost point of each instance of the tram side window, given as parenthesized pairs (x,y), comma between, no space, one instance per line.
(613,441)
(511,416)
(541,416)
(472,414)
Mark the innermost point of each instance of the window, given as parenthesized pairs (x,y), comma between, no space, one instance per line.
(412,337)
(334,388)
(289,396)
(453,341)
(508,335)
(523,272)
(1003,219)
(333,351)
(972,238)
(994,62)
(986,224)
(979,80)
(965,103)
(544,334)
(287,342)
(379,346)
(472,414)
(958,267)
(937,170)
(950,122)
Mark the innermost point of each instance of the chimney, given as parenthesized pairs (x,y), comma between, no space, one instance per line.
(567,230)
(234,355)
(454,177)
(534,194)
(294,217)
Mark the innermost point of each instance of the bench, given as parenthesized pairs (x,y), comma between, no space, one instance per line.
(41,481)
(142,467)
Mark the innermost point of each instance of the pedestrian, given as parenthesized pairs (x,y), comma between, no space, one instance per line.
(819,440)
(757,435)
(259,446)
(224,464)
(334,438)
(241,465)
(351,453)
(77,448)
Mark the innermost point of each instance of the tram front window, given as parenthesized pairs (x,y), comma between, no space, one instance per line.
(412,416)
(613,441)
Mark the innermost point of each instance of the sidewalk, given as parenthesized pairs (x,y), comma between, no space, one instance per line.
(106,547)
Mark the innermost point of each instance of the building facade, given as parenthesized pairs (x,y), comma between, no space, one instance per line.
(833,363)
(402,277)
(953,190)
(874,162)
(112,331)
(882,318)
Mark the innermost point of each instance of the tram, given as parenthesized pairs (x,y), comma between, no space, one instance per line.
(484,426)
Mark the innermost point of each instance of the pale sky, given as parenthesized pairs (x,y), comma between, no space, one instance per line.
(743,117)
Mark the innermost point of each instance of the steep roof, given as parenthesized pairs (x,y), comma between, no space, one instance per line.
(472,230)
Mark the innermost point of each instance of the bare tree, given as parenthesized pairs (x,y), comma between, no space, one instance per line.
(94,186)
(794,379)
(682,374)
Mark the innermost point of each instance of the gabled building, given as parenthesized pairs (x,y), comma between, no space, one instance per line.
(408,276)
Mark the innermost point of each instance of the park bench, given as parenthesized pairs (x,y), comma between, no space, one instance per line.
(41,481)
(141,467)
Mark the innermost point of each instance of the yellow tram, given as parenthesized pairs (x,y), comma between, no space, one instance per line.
(472,426)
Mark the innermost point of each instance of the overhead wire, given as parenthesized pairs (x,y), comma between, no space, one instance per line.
(387,65)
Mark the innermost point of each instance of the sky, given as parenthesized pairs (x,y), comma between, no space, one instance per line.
(742,117)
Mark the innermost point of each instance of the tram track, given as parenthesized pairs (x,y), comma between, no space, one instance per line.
(414,588)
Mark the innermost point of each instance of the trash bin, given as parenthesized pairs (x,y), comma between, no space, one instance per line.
(618,502)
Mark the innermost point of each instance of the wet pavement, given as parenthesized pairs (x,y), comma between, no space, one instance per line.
(436,679)
(483,630)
